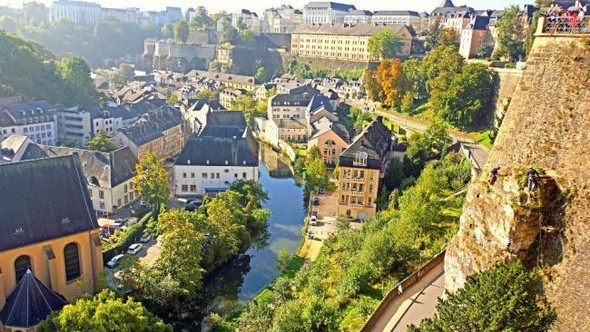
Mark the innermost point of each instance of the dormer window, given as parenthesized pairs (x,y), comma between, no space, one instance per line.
(360,159)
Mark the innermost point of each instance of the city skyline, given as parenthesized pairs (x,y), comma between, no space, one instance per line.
(232,6)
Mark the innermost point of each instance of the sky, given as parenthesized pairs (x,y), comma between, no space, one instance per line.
(259,5)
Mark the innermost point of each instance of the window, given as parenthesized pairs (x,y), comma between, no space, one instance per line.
(193,188)
(218,175)
(184,175)
(21,265)
(244,175)
(204,175)
(72,261)
(118,202)
(125,188)
(236,175)
(184,188)
(101,194)
(101,206)
(360,159)
(193,175)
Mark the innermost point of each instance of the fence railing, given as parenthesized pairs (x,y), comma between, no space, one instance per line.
(405,284)
(566,25)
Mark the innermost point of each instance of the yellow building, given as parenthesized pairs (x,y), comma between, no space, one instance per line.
(47,226)
(360,169)
(330,137)
(344,41)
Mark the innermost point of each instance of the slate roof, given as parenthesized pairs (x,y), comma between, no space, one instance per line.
(361,29)
(226,118)
(361,12)
(215,151)
(479,23)
(320,101)
(396,13)
(110,169)
(332,5)
(375,140)
(48,199)
(30,303)
(152,124)
(287,99)
(22,113)
(14,143)
(324,125)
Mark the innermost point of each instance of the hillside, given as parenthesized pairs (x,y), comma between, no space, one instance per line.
(547,126)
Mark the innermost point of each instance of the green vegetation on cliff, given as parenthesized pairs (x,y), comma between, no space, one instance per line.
(357,267)
(505,298)
(29,70)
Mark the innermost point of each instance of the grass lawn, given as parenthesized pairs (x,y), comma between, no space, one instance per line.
(484,139)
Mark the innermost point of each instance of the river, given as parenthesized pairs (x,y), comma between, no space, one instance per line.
(242,278)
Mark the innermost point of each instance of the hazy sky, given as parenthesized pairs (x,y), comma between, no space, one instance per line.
(260,5)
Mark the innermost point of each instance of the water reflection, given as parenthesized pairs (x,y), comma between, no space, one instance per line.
(242,278)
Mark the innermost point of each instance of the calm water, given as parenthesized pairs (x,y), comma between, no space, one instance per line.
(245,276)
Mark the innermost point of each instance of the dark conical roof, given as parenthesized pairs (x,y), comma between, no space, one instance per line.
(446,4)
(30,303)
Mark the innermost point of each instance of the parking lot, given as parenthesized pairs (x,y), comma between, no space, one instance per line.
(148,255)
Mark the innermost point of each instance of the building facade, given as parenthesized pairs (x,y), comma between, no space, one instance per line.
(79,125)
(55,235)
(343,42)
(358,16)
(389,17)
(36,120)
(324,12)
(78,12)
(360,169)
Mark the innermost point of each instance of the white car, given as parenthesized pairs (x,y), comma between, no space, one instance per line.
(114,261)
(145,238)
(313,220)
(134,248)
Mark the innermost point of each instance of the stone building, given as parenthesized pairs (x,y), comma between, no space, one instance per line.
(324,12)
(47,227)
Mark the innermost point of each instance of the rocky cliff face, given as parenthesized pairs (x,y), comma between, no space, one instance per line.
(547,126)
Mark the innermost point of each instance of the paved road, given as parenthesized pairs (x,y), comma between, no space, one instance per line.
(414,304)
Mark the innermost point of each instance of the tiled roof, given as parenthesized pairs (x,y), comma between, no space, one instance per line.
(30,303)
(20,114)
(48,199)
(152,124)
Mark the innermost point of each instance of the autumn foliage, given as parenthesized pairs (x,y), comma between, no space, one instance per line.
(387,83)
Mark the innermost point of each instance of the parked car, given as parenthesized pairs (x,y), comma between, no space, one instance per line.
(134,248)
(114,261)
(322,190)
(316,201)
(143,204)
(313,221)
(193,205)
(313,213)
(145,238)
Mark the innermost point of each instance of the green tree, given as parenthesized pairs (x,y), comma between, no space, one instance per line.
(35,13)
(260,75)
(101,142)
(384,44)
(315,174)
(246,104)
(201,21)
(414,71)
(501,299)
(246,37)
(440,67)
(287,318)
(124,74)
(511,34)
(103,312)
(181,31)
(151,181)
(167,31)
(229,34)
(76,75)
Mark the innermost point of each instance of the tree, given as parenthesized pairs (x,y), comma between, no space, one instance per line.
(260,75)
(181,31)
(416,75)
(392,81)
(438,35)
(151,181)
(511,34)
(201,21)
(484,51)
(501,299)
(101,142)
(315,174)
(384,44)
(440,66)
(103,312)
(246,37)
(124,74)
(229,34)
(76,75)
(167,31)
(371,86)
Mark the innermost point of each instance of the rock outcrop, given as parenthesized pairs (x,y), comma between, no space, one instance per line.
(547,126)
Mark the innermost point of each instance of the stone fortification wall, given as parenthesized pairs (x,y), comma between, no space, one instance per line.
(547,126)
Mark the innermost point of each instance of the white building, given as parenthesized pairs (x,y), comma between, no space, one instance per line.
(246,17)
(37,120)
(109,176)
(79,12)
(122,14)
(324,12)
(212,161)
(280,20)
(358,16)
(390,17)
(80,125)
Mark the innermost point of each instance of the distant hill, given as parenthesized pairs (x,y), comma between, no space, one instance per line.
(29,70)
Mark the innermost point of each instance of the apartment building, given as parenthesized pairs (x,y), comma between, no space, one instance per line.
(358,16)
(37,120)
(343,41)
(360,169)
(79,125)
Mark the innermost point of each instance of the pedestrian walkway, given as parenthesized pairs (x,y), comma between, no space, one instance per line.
(414,304)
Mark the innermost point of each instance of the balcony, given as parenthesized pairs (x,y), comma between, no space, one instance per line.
(357,193)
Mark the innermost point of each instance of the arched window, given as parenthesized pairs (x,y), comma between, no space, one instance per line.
(21,265)
(72,261)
